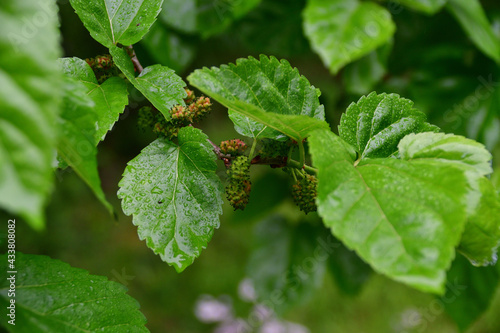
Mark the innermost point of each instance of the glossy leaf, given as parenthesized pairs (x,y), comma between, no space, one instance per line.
(52,296)
(169,48)
(29,97)
(402,217)
(159,84)
(77,127)
(204,17)
(376,123)
(283,264)
(175,196)
(268,92)
(469,291)
(342,31)
(426,6)
(473,20)
(116,21)
(110,97)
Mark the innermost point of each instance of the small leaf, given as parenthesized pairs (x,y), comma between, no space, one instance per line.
(269,92)
(342,31)
(52,296)
(286,263)
(427,6)
(76,138)
(205,17)
(114,21)
(110,97)
(469,291)
(402,217)
(159,84)
(30,97)
(473,20)
(376,123)
(175,196)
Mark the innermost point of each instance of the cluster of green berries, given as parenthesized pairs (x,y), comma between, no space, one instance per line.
(239,185)
(103,67)
(304,193)
(180,116)
(233,147)
(272,148)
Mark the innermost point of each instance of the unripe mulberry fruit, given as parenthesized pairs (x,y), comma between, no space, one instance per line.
(273,148)
(304,193)
(239,185)
(233,147)
(146,118)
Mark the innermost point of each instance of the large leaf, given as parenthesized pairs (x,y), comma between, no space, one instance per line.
(76,144)
(426,6)
(159,84)
(30,103)
(286,263)
(110,97)
(342,31)
(403,217)
(473,20)
(376,123)
(469,291)
(269,92)
(116,21)
(175,196)
(205,17)
(52,296)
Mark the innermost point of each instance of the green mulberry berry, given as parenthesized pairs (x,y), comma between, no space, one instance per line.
(146,118)
(273,148)
(304,193)
(239,185)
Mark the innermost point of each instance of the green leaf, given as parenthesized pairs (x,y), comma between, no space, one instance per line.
(269,92)
(361,76)
(175,196)
(342,31)
(29,97)
(77,136)
(402,217)
(169,48)
(427,6)
(205,17)
(110,97)
(473,20)
(286,263)
(159,84)
(376,123)
(469,291)
(481,237)
(349,271)
(116,21)
(52,296)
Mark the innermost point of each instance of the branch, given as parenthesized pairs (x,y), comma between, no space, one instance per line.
(137,64)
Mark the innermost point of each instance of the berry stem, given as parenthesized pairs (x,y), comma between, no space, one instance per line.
(135,60)
(302,154)
(252,150)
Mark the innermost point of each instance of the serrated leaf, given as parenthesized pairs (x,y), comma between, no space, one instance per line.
(30,103)
(116,21)
(269,92)
(427,6)
(110,97)
(52,296)
(402,217)
(169,48)
(376,123)
(471,16)
(205,17)
(342,31)
(283,262)
(159,84)
(175,196)
(77,127)
(469,291)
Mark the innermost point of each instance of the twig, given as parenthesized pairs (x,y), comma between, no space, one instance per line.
(135,61)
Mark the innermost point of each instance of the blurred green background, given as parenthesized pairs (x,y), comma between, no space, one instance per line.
(431,61)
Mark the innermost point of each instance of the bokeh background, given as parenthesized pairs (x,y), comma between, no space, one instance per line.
(430,60)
